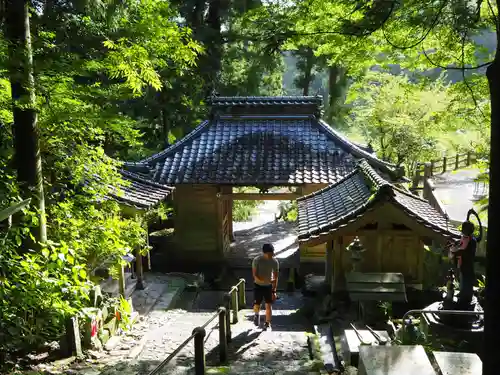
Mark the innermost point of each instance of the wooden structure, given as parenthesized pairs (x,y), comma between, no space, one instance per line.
(391,223)
(248,141)
(443,165)
(135,196)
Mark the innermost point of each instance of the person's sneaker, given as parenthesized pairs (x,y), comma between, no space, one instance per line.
(267,326)
(256,320)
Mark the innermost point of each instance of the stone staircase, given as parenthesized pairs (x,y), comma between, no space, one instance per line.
(281,350)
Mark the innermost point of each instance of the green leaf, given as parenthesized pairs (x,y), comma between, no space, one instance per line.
(5,213)
(45,253)
(83,274)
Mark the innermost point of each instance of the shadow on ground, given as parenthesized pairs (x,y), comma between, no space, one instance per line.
(248,243)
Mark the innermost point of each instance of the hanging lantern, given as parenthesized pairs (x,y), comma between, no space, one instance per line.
(356,249)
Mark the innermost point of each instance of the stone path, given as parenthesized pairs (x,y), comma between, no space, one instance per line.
(455,190)
(283,350)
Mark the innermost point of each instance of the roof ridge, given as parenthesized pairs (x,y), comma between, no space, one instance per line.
(372,175)
(262,99)
(391,168)
(331,186)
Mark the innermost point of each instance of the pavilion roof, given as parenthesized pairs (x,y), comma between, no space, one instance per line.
(260,141)
(138,192)
(361,191)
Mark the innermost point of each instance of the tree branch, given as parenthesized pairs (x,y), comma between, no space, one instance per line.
(455,67)
(423,37)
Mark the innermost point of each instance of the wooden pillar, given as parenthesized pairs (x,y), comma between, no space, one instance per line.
(445,161)
(416,177)
(427,175)
(220,221)
(148,255)
(230,205)
(338,267)
(329,264)
(121,281)
(139,270)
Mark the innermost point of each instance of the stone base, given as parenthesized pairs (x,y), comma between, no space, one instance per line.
(458,363)
(394,360)
(470,330)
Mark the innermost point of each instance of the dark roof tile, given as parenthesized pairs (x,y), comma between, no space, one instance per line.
(250,150)
(347,200)
(139,192)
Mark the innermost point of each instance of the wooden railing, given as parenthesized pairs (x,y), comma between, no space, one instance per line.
(233,301)
(443,165)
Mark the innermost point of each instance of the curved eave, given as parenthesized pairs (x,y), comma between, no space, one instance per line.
(391,169)
(173,148)
(341,222)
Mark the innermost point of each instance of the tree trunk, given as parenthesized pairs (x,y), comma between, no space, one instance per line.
(308,71)
(27,156)
(165,127)
(336,85)
(491,359)
(213,43)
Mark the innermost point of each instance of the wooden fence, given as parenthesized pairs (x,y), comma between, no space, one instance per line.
(443,165)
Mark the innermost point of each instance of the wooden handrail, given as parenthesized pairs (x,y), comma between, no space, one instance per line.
(442,165)
(233,300)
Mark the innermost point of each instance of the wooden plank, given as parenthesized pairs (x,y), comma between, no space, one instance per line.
(260,197)
(375,277)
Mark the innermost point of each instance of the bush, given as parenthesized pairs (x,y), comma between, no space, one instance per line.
(244,210)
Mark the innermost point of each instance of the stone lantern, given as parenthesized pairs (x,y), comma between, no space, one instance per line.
(356,249)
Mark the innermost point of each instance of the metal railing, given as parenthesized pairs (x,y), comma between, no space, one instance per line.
(444,312)
(233,301)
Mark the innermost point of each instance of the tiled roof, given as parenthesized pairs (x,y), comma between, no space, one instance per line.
(360,191)
(139,192)
(272,149)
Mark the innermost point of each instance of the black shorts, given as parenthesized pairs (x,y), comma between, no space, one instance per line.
(262,292)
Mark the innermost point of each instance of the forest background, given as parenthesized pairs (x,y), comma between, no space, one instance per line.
(85,84)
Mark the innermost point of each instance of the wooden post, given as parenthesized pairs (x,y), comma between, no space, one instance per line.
(234,305)
(457,159)
(339,284)
(242,301)
(227,305)
(222,335)
(427,175)
(416,177)
(469,158)
(329,264)
(432,168)
(219,226)
(445,161)
(230,218)
(72,343)
(121,281)
(149,253)
(139,271)
(199,351)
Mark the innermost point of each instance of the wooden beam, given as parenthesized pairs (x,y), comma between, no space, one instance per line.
(350,229)
(260,197)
